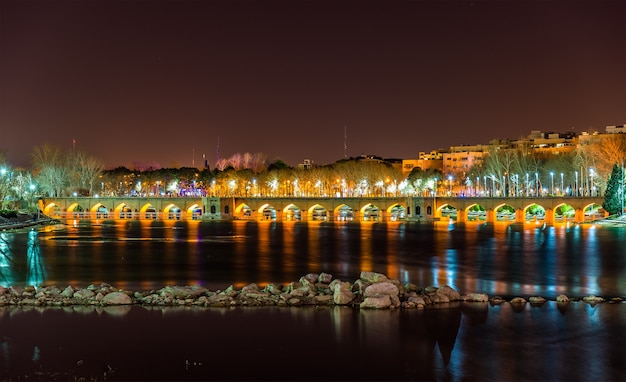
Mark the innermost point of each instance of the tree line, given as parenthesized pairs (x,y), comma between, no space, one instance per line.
(518,171)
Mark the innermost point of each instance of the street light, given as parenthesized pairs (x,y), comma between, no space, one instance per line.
(485,187)
(450,184)
(552,182)
(537,184)
(576,183)
(32,195)
(562,189)
(590,181)
(527,185)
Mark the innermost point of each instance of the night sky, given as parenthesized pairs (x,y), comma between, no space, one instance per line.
(157,82)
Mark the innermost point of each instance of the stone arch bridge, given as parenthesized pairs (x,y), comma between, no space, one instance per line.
(330,209)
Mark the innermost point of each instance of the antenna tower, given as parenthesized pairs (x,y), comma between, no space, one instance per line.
(345,142)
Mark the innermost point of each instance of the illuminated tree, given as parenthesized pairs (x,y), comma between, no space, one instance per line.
(614,194)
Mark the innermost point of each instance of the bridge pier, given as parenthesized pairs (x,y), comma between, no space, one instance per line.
(490,216)
(549,219)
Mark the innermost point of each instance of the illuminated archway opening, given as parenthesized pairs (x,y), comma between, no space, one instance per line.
(317,213)
(344,213)
(370,212)
(292,212)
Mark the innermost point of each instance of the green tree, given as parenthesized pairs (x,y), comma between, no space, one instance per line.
(614,194)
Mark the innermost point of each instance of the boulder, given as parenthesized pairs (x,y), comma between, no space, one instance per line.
(476,297)
(536,300)
(342,294)
(373,277)
(438,298)
(83,294)
(325,278)
(68,292)
(117,298)
(381,289)
(593,299)
(447,291)
(562,298)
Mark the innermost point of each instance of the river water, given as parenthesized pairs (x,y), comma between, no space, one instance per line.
(458,341)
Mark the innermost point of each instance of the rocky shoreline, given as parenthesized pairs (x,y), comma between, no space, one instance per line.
(370,291)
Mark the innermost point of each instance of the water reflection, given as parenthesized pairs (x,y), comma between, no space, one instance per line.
(497,259)
(464,341)
(21,261)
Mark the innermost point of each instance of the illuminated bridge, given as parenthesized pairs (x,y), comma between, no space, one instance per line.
(462,209)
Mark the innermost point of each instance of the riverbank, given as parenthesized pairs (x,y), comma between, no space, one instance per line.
(370,291)
(16,220)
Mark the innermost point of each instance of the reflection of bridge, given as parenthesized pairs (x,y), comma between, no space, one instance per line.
(293,208)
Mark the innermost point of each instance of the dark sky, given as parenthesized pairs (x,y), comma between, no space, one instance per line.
(160,81)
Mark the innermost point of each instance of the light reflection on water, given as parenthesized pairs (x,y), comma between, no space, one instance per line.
(461,341)
(497,259)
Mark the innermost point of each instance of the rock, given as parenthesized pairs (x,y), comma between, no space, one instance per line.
(518,300)
(418,300)
(376,302)
(373,277)
(184,291)
(476,297)
(593,298)
(83,294)
(438,298)
(311,278)
(536,300)
(117,298)
(325,278)
(16,291)
(449,292)
(325,298)
(359,286)
(562,298)
(496,300)
(273,289)
(342,294)
(68,292)
(250,288)
(381,289)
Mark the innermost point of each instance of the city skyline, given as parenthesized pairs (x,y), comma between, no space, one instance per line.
(169,82)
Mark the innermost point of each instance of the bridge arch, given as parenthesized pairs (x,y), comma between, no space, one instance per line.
(317,212)
(370,212)
(292,212)
(148,211)
(172,212)
(267,212)
(396,211)
(343,212)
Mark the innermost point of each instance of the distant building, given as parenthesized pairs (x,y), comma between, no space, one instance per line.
(615,129)
(306,165)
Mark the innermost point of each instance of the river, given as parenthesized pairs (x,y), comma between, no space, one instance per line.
(459,341)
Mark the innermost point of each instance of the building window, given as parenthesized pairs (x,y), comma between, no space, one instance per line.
(418,210)
(226,210)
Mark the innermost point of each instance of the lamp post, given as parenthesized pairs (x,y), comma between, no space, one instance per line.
(576,183)
(485,186)
(591,188)
(450,185)
(552,182)
(537,184)
(477,185)
(32,196)
(562,189)
(527,185)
